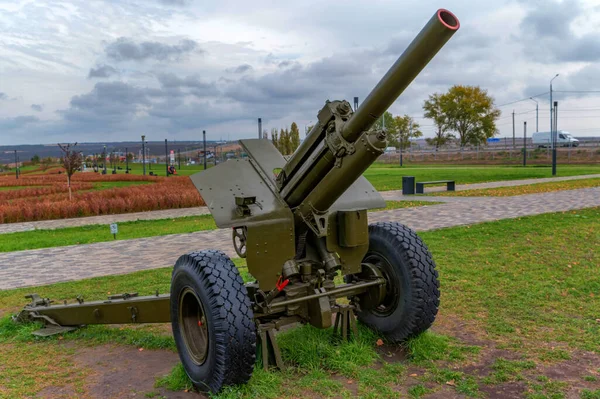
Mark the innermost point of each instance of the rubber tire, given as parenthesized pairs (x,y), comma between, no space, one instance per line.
(413,271)
(232,332)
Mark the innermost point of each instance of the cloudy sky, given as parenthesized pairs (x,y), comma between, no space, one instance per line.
(113,70)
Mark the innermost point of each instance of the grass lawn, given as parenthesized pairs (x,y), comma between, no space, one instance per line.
(9,188)
(521,190)
(99,233)
(389,177)
(127,230)
(518,318)
(160,169)
(97,185)
(118,184)
(21,170)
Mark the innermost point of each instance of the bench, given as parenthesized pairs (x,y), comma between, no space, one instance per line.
(421,185)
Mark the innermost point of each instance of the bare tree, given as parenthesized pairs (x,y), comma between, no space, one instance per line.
(46,162)
(71,161)
(95,163)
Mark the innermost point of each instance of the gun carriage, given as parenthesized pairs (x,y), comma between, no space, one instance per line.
(300,223)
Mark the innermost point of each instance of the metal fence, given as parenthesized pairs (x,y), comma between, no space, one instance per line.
(502,152)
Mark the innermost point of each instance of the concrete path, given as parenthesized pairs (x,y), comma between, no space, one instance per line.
(46,266)
(175,213)
(104,219)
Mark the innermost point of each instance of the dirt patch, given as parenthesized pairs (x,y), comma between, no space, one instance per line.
(580,365)
(468,332)
(483,367)
(58,392)
(126,372)
(348,383)
(507,390)
(412,378)
(392,353)
(445,393)
(573,371)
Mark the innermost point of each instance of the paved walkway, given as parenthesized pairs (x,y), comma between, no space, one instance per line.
(502,183)
(104,219)
(175,213)
(45,266)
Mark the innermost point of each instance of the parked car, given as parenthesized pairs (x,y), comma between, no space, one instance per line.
(563,139)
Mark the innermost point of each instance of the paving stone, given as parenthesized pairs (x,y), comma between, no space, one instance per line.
(52,265)
(104,219)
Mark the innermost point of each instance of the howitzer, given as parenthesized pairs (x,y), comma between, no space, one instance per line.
(300,223)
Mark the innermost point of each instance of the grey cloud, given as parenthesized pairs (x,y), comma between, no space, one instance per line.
(17,122)
(585,48)
(285,64)
(117,105)
(108,103)
(124,49)
(548,36)
(398,44)
(319,80)
(180,116)
(243,68)
(37,107)
(114,92)
(102,71)
(552,20)
(3,96)
(121,107)
(176,2)
(174,85)
(584,79)
(337,67)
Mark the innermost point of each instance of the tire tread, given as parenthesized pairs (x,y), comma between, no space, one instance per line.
(423,305)
(233,319)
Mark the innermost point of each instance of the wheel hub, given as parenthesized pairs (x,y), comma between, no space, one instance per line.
(391,291)
(193,324)
(374,295)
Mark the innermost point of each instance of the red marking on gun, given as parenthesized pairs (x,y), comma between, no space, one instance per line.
(281,284)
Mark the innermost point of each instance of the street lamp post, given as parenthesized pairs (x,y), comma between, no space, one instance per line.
(260,128)
(204,142)
(16,165)
(554,138)
(144,154)
(536,114)
(555,76)
(524,143)
(104,160)
(166,159)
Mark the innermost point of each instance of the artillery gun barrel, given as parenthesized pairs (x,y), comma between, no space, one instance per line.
(309,177)
(442,25)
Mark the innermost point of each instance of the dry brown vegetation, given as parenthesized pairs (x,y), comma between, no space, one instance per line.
(43,197)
